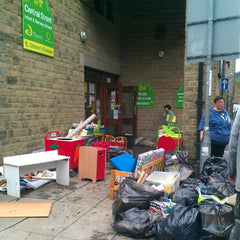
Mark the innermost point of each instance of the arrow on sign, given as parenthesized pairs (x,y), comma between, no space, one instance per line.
(224,83)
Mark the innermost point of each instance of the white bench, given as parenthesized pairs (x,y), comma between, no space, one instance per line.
(15,166)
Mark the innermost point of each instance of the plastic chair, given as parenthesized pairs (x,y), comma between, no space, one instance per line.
(166,143)
(171,131)
(121,140)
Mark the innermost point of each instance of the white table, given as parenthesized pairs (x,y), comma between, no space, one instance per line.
(18,165)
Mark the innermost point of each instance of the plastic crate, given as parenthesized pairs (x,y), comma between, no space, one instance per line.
(170,180)
(105,145)
(119,144)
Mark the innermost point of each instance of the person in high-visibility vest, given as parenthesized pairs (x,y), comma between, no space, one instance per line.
(168,116)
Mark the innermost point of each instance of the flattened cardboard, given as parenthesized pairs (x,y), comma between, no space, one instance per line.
(25,209)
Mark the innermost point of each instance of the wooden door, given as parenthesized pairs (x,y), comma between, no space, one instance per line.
(129,110)
(112,106)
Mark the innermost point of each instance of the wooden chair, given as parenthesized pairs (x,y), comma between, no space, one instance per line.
(148,168)
(108,138)
(121,140)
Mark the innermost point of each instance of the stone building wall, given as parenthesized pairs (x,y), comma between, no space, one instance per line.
(40,94)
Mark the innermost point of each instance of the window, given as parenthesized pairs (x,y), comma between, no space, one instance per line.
(99,6)
(105,8)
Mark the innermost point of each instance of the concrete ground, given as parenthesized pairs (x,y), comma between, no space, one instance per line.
(81,211)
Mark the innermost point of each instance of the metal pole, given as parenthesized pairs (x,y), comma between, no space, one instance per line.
(223,76)
(199,103)
(206,141)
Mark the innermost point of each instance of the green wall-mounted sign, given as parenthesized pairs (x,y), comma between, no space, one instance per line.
(179,97)
(37,24)
(145,95)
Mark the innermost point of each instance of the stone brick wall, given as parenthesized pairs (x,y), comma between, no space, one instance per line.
(233,87)
(237,91)
(39,94)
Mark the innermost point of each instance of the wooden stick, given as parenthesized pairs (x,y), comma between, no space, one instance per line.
(81,126)
(144,178)
(141,177)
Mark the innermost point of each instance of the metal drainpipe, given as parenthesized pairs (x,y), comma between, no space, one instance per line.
(205,152)
(199,103)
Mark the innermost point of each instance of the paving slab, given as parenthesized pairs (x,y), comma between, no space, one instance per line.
(86,229)
(20,235)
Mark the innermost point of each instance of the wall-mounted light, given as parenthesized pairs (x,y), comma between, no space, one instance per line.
(83,36)
(161,54)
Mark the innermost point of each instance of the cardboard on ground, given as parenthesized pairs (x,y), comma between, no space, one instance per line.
(25,209)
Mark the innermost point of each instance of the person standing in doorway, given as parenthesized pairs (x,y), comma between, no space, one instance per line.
(168,115)
(219,127)
(234,172)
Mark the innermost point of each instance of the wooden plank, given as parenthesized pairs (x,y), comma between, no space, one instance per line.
(25,209)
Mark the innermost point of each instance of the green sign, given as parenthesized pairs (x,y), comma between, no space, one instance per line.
(145,95)
(37,27)
(179,97)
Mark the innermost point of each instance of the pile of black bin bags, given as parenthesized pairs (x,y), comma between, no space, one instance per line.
(188,219)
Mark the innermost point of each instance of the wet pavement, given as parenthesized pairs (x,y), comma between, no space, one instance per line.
(82,210)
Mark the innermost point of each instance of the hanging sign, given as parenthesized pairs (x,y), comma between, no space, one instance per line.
(226,30)
(145,95)
(37,27)
(179,97)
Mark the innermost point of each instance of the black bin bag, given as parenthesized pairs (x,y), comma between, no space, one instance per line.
(186,196)
(131,194)
(216,219)
(182,223)
(137,223)
(215,176)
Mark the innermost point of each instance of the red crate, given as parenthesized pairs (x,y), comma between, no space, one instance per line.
(65,147)
(105,145)
(120,144)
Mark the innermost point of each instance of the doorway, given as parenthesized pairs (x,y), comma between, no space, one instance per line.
(129,110)
(112,108)
(93,94)
(120,109)
(114,104)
